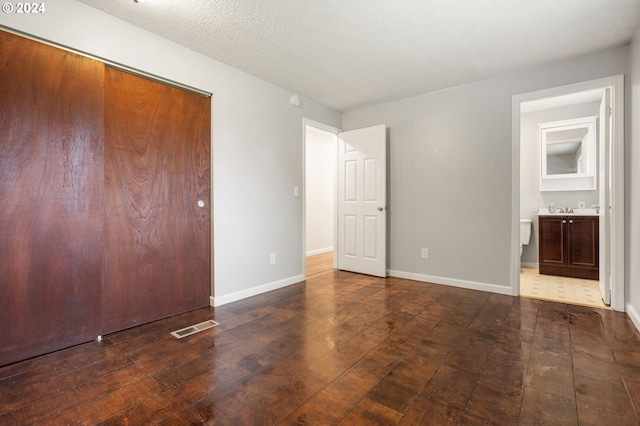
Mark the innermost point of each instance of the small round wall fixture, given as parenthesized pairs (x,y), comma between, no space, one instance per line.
(294,100)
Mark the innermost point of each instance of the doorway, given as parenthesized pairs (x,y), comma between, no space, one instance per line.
(359,193)
(601,99)
(320,144)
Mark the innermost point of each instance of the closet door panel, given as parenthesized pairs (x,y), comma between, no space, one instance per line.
(157,169)
(51,192)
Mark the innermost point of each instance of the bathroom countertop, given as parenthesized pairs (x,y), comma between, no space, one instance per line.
(576,212)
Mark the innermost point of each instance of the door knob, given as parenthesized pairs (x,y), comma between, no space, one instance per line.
(380,209)
(200,203)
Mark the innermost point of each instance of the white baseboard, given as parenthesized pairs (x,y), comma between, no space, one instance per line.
(319,251)
(471,285)
(532,265)
(253,291)
(633,314)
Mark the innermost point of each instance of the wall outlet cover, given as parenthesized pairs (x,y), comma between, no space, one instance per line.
(581,204)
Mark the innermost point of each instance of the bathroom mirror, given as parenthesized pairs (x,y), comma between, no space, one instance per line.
(568,155)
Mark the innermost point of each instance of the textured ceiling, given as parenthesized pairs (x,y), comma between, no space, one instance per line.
(349,54)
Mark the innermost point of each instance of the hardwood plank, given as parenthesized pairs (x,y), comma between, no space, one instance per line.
(274,404)
(368,412)
(597,399)
(184,417)
(443,399)
(539,407)
(45,406)
(493,404)
(107,404)
(402,385)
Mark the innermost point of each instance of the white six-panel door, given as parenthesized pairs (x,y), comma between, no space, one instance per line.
(362,224)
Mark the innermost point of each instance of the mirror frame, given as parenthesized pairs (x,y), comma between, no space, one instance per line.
(585,181)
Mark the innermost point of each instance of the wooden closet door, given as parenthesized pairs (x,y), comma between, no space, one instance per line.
(51,192)
(157,169)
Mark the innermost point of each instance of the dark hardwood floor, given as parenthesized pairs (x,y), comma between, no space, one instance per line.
(346,349)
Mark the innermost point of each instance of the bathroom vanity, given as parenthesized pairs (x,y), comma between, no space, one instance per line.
(569,245)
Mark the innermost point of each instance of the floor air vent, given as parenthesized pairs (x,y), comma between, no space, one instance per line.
(193,329)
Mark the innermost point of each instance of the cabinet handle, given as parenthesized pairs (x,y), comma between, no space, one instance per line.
(571,221)
(564,221)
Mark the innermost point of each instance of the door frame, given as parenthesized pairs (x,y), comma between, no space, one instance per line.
(334,130)
(616,210)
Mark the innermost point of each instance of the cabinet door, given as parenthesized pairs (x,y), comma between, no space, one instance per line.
(552,242)
(583,242)
(51,191)
(157,208)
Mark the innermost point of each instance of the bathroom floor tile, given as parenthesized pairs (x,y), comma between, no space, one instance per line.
(575,291)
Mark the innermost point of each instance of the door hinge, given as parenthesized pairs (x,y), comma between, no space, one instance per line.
(609,111)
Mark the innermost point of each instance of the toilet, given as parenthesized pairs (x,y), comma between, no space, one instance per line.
(525,233)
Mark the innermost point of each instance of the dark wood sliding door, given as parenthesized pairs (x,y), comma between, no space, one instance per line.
(51,198)
(157,186)
(105,206)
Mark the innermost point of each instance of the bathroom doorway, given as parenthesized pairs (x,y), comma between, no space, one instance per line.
(600,100)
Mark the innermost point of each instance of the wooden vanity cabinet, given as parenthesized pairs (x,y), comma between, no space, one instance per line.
(569,246)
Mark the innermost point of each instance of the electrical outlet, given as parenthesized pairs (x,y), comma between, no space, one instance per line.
(581,204)
(272,258)
(425,253)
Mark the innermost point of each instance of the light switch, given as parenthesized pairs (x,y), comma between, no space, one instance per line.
(296,191)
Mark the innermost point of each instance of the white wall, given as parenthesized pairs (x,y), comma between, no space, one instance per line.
(531,198)
(257,143)
(321,153)
(451,159)
(632,187)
